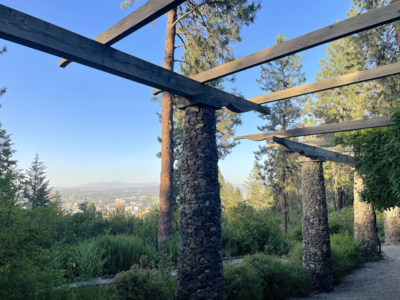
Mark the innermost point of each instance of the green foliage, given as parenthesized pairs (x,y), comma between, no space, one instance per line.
(145,283)
(242,282)
(258,195)
(246,230)
(281,279)
(230,196)
(342,221)
(377,156)
(346,255)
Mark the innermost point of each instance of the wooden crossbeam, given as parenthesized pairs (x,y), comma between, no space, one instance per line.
(26,30)
(310,151)
(374,18)
(340,149)
(331,83)
(322,129)
(133,22)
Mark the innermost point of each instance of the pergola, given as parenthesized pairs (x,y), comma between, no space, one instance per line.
(200,270)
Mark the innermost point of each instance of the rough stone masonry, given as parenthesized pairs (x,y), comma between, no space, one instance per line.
(392,226)
(365,230)
(317,257)
(200,274)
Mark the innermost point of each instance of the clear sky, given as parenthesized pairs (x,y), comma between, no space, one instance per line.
(90,126)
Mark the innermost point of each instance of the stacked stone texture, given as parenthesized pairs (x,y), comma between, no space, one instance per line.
(365,230)
(392,226)
(317,257)
(200,261)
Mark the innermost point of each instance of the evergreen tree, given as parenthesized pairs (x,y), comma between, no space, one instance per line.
(280,170)
(230,197)
(206,30)
(36,184)
(257,194)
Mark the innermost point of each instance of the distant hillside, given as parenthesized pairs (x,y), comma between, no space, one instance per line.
(116,185)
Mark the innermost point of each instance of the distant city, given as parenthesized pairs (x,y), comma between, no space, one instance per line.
(108,196)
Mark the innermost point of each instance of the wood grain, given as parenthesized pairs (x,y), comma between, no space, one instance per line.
(322,129)
(310,151)
(26,30)
(331,83)
(142,16)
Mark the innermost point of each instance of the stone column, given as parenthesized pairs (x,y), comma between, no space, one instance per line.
(200,274)
(317,257)
(365,230)
(392,226)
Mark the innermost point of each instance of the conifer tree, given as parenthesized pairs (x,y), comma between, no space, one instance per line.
(36,184)
(280,170)
(230,197)
(206,30)
(257,194)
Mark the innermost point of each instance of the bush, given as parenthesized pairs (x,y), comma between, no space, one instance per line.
(346,255)
(281,279)
(342,221)
(246,230)
(145,283)
(242,282)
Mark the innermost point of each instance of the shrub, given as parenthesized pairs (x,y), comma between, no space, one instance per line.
(281,279)
(342,221)
(145,283)
(242,282)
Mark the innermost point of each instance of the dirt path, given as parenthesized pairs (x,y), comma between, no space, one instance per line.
(374,281)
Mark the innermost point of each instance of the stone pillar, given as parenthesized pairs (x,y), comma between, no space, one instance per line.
(392,226)
(365,230)
(317,257)
(200,274)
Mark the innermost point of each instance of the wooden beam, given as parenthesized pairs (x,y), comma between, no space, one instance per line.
(374,18)
(331,83)
(340,149)
(142,16)
(318,142)
(26,30)
(310,151)
(322,129)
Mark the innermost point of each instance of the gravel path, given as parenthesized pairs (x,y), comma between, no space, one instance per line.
(373,281)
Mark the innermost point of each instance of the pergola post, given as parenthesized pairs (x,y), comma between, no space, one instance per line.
(365,230)
(392,226)
(200,274)
(317,257)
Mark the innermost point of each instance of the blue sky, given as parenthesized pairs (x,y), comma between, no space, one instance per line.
(90,126)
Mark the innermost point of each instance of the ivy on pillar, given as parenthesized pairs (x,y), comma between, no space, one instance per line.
(365,230)
(317,257)
(392,226)
(200,274)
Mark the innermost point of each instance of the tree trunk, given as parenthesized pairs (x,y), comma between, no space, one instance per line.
(317,257)
(167,146)
(392,226)
(339,198)
(200,274)
(365,230)
(284,205)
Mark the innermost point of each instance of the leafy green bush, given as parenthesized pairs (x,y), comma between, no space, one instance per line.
(246,230)
(281,279)
(342,221)
(145,283)
(346,255)
(242,282)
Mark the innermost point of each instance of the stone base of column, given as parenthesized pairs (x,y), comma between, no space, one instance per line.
(317,257)
(392,226)
(200,274)
(365,230)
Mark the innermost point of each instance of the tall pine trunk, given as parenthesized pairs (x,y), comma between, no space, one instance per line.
(167,146)
(284,205)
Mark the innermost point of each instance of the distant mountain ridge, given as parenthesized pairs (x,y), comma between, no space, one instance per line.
(116,185)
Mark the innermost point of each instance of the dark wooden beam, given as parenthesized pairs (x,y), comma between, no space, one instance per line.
(322,129)
(133,22)
(374,18)
(26,30)
(331,83)
(318,142)
(312,152)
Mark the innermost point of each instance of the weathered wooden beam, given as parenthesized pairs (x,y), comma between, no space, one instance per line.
(374,18)
(340,149)
(331,83)
(310,151)
(322,129)
(26,30)
(133,22)
(319,142)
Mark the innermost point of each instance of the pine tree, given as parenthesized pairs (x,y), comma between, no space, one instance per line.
(230,197)
(36,184)
(257,194)
(280,170)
